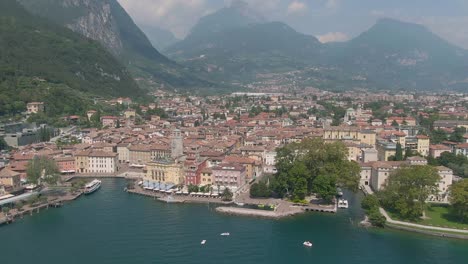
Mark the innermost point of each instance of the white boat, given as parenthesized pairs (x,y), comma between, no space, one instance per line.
(342,203)
(203,242)
(307,244)
(92,186)
(225,234)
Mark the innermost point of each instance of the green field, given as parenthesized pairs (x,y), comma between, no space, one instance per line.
(441,216)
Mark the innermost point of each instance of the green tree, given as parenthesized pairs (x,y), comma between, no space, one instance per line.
(376,218)
(227,195)
(42,169)
(260,189)
(325,187)
(394,123)
(370,202)
(459,199)
(3,144)
(398,152)
(407,190)
(300,165)
(437,136)
(457,135)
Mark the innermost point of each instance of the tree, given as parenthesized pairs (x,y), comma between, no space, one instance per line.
(314,162)
(376,218)
(407,190)
(3,144)
(437,136)
(227,195)
(395,123)
(324,186)
(370,202)
(260,189)
(457,135)
(41,168)
(459,199)
(398,152)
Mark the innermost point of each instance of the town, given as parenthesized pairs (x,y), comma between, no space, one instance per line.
(209,145)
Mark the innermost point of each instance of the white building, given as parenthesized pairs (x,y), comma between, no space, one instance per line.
(102,162)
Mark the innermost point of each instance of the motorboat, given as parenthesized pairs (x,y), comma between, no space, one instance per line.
(225,234)
(92,186)
(307,244)
(342,203)
(203,242)
(339,192)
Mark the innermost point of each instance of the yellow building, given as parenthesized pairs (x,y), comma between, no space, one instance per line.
(362,136)
(166,171)
(82,162)
(206,177)
(385,150)
(423,145)
(10,180)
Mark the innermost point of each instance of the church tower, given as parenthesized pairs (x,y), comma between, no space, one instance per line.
(177,144)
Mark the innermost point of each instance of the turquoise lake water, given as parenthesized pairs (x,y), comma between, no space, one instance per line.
(111,226)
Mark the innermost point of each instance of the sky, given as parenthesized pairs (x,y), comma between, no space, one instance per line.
(328,20)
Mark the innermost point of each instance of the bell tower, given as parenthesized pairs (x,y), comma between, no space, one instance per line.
(177,144)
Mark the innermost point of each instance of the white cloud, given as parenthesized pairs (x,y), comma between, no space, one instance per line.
(176,15)
(297,7)
(333,37)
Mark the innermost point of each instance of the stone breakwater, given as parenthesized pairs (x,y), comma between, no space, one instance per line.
(258,213)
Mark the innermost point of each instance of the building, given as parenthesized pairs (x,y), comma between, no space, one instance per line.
(359,136)
(167,171)
(228,175)
(35,107)
(385,150)
(436,150)
(177,147)
(381,171)
(462,149)
(206,177)
(423,143)
(98,162)
(109,121)
(65,164)
(10,180)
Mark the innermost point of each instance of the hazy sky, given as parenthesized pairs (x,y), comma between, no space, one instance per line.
(329,20)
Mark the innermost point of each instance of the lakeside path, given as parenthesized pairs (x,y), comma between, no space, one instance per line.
(431,228)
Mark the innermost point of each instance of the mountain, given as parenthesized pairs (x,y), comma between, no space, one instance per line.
(107,22)
(238,14)
(233,44)
(236,46)
(40,60)
(398,55)
(159,38)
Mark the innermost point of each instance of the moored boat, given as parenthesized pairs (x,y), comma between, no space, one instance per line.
(203,242)
(92,186)
(342,203)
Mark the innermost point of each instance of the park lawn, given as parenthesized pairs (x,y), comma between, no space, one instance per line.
(440,216)
(437,215)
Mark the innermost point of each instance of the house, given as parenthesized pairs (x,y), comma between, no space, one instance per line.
(229,175)
(436,150)
(35,107)
(10,180)
(423,144)
(462,149)
(109,121)
(65,164)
